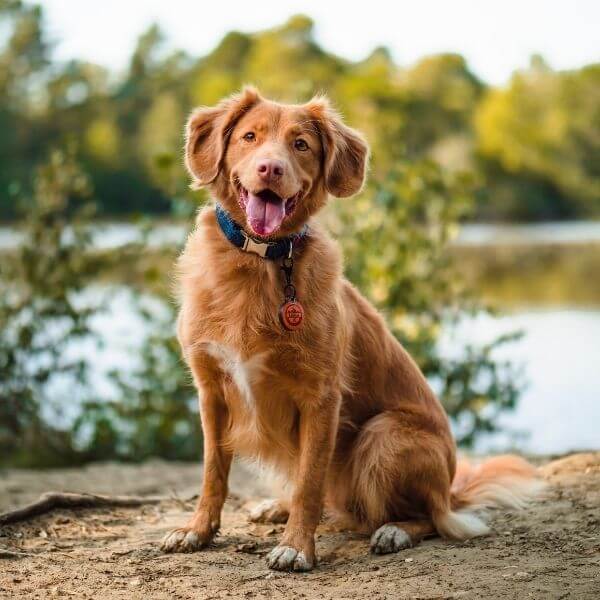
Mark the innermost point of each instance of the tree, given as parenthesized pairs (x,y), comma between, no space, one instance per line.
(534,141)
(23,60)
(50,413)
(544,131)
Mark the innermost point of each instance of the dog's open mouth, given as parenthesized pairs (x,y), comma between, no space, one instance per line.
(265,210)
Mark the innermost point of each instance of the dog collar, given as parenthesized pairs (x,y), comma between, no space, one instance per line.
(240,239)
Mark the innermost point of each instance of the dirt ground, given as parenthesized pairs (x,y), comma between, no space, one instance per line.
(551,550)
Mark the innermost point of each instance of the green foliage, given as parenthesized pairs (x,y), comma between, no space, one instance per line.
(50,412)
(395,238)
(156,410)
(544,130)
(534,143)
(40,314)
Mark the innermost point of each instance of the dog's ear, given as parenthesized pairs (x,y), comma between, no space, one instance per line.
(345,152)
(207,134)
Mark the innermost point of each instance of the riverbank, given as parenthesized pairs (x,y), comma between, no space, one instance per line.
(550,550)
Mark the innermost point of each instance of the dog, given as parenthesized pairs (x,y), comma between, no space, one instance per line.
(294,368)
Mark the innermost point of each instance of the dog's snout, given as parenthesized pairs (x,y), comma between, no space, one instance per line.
(270,169)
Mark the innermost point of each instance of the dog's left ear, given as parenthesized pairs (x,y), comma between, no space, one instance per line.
(346,153)
(207,135)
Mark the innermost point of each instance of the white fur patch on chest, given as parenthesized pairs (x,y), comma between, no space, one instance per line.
(244,374)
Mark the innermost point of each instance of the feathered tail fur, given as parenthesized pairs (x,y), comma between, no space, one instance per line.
(503,481)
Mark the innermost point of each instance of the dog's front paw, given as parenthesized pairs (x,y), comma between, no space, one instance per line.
(287,558)
(389,538)
(184,539)
(269,511)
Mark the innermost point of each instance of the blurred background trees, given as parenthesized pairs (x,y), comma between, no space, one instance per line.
(543,130)
(534,144)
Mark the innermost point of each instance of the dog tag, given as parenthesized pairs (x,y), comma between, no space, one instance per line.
(291,315)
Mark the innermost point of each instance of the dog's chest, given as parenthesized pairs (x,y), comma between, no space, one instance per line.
(235,312)
(241,374)
(262,415)
(261,363)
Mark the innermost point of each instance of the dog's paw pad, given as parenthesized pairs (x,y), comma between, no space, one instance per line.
(182,540)
(389,538)
(286,558)
(269,511)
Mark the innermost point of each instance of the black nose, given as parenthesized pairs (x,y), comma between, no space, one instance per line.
(270,169)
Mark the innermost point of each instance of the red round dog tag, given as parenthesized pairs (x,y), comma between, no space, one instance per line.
(291,315)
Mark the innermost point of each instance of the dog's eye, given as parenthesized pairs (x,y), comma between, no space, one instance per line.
(250,136)
(301,145)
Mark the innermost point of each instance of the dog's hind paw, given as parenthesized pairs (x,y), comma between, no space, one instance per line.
(389,538)
(183,540)
(286,558)
(269,511)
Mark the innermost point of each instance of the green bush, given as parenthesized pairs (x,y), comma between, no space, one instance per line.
(395,237)
(40,316)
(50,413)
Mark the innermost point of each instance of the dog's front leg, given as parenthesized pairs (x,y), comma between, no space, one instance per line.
(206,520)
(318,427)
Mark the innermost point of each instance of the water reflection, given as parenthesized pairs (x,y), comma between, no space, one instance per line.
(560,409)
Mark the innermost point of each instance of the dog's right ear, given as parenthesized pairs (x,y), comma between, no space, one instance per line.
(346,153)
(207,134)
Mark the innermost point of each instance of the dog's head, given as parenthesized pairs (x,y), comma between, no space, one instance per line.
(273,165)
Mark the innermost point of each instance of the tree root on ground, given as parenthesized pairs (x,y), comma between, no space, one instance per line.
(52,500)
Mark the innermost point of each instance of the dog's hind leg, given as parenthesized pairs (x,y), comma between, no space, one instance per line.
(400,473)
(393,537)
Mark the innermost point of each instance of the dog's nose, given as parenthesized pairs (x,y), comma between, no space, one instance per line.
(270,169)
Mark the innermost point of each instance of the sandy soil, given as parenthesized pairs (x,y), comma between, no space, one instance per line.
(551,550)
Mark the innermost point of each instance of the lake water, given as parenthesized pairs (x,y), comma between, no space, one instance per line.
(570,232)
(114,235)
(559,410)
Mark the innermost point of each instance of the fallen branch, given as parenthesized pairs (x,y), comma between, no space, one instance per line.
(52,500)
(5,553)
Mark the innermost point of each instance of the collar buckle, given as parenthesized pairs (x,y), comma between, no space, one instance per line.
(251,245)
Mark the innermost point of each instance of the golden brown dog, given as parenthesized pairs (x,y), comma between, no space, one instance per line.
(337,405)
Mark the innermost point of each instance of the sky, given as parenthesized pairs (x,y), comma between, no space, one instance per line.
(495,37)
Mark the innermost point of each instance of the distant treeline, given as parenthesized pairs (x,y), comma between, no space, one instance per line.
(534,145)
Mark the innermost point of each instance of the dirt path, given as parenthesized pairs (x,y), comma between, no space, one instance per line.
(551,550)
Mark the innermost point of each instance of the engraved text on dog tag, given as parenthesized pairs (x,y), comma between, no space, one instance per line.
(291,315)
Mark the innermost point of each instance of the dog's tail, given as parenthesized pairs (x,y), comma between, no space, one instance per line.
(503,481)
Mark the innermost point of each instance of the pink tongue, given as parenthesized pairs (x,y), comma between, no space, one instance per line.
(264,217)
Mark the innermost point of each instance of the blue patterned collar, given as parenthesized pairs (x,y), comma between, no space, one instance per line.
(240,239)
